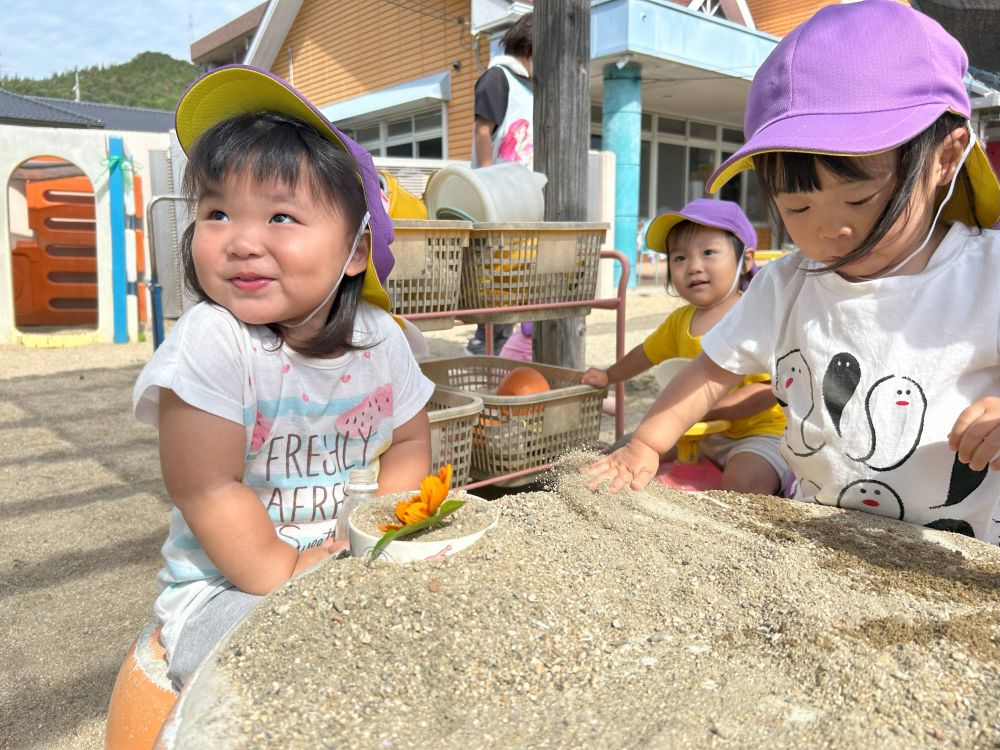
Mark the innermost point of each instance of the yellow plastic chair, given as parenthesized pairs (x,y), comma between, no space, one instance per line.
(402,203)
(689,471)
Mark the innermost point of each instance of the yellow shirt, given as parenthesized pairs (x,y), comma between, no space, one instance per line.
(673,339)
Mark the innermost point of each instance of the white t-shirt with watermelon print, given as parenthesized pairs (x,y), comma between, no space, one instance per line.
(308,423)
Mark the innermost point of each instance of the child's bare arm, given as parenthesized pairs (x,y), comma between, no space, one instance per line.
(685,400)
(408,459)
(743,402)
(202,461)
(627,367)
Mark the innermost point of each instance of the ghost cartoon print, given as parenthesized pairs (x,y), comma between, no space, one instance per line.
(964,480)
(839,384)
(872,496)
(793,390)
(895,408)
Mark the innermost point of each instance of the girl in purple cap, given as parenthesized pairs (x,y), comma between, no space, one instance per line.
(288,373)
(882,331)
(709,246)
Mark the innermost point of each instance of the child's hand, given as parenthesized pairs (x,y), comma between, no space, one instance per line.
(976,435)
(595,377)
(634,464)
(311,556)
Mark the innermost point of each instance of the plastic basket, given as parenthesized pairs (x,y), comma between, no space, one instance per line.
(531,264)
(428,271)
(516,433)
(453,417)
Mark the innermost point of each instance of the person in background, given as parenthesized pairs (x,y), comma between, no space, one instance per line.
(502,130)
(709,246)
(881,330)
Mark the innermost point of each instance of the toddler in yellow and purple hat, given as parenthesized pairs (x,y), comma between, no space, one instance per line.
(709,246)
(289,372)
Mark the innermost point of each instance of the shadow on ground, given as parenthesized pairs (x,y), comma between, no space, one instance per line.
(82,516)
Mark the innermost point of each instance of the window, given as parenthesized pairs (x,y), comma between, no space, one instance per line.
(669,177)
(729,135)
(731,190)
(416,135)
(677,157)
(702,131)
(645,153)
(670,126)
(701,164)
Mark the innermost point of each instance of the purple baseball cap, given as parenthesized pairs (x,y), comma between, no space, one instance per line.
(724,215)
(859,79)
(237,89)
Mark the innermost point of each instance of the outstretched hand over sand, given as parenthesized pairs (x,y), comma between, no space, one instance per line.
(635,465)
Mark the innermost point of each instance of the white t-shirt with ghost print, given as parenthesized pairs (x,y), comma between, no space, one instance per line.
(308,422)
(872,376)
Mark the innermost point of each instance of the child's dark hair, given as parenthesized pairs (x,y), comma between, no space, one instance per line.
(680,235)
(517,40)
(273,147)
(795,172)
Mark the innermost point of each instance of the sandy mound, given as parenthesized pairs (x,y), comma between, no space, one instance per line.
(653,619)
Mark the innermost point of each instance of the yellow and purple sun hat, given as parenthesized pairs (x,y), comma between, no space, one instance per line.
(857,79)
(724,215)
(239,89)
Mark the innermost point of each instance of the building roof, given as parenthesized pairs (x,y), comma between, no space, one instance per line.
(66,113)
(228,43)
(29,110)
(117,117)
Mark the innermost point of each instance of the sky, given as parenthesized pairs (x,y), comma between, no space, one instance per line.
(42,37)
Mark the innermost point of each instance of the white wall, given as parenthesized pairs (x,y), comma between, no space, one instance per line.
(86,149)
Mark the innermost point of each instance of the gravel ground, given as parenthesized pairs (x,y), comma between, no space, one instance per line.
(83,514)
(651,620)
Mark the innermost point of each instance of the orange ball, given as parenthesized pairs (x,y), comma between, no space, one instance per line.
(522,381)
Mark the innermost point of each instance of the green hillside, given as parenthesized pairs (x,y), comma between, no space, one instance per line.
(150,79)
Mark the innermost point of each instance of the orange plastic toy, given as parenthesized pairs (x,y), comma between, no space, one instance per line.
(55,275)
(142,696)
(522,381)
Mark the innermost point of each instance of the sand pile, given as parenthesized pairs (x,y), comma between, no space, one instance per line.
(652,619)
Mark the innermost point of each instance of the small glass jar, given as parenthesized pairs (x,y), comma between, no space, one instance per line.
(360,488)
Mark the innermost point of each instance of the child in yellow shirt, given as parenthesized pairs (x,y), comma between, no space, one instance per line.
(709,246)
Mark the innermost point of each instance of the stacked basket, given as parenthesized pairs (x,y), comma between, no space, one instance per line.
(543,263)
(428,270)
(453,416)
(449,266)
(518,433)
(444,266)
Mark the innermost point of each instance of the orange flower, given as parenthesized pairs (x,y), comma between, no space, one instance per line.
(433,491)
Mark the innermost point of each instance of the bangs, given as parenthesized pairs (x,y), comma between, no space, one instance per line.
(796,171)
(272,150)
(679,238)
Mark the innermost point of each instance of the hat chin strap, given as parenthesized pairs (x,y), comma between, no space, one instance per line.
(732,288)
(336,286)
(937,215)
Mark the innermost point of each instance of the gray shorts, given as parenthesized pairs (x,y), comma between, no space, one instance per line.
(720,449)
(204,629)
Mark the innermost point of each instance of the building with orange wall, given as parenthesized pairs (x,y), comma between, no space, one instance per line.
(399,75)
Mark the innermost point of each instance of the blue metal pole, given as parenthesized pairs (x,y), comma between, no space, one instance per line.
(622,123)
(116,196)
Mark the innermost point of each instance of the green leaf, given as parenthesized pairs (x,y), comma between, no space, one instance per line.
(444,510)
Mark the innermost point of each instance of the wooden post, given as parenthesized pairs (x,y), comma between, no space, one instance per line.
(561,57)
